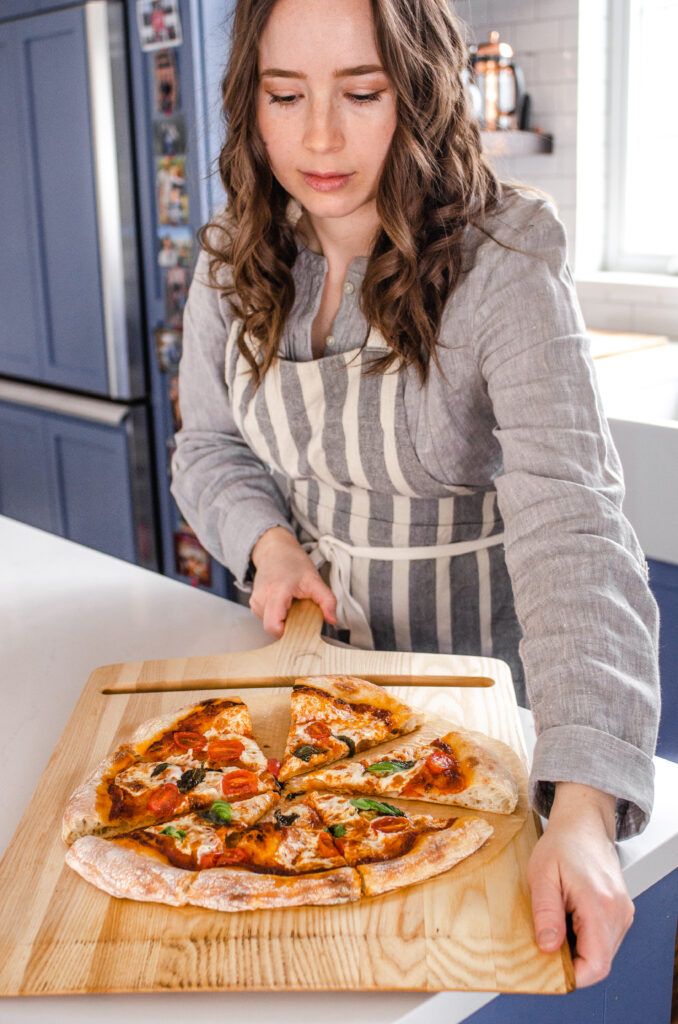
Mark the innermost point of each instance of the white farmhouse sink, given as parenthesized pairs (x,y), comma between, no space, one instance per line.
(640,397)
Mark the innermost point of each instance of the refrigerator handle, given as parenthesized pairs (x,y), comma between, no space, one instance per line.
(113,177)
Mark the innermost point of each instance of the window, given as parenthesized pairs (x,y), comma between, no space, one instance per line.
(642,170)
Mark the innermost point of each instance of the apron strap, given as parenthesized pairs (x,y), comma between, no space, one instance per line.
(338,554)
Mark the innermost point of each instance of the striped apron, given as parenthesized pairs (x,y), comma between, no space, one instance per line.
(415,564)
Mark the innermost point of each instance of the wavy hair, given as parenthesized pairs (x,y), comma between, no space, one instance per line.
(434,182)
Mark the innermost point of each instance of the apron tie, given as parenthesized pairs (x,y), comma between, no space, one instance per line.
(338,554)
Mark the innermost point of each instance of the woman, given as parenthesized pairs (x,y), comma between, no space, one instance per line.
(411,404)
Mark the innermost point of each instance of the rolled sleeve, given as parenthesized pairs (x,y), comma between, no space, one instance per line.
(589,621)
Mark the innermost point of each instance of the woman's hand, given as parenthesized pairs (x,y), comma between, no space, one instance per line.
(574,868)
(285,571)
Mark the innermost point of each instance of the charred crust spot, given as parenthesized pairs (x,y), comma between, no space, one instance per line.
(383,714)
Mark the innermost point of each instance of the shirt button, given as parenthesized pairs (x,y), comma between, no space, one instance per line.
(349,287)
(329,340)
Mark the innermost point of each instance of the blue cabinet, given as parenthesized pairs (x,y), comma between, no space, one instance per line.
(75,476)
(52,327)
(664,584)
(69,286)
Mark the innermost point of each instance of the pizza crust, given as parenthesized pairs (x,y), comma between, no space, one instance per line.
(238,889)
(126,874)
(431,855)
(81,816)
(361,691)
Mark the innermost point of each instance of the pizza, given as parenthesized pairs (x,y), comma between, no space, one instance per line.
(330,850)
(451,769)
(391,848)
(333,716)
(190,811)
(174,764)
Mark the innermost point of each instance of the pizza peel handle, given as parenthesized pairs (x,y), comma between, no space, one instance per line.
(300,651)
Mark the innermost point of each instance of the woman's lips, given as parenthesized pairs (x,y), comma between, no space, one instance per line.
(326,183)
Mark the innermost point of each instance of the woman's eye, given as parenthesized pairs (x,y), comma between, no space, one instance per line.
(359,98)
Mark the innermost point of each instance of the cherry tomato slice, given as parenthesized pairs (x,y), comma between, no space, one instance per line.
(239,783)
(439,762)
(164,799)
(390,823)
(317,730)
(326,847)
(234,856)
(225,750)
(273,765)
(190,740)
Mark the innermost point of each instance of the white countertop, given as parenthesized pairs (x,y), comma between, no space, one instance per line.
(65,610)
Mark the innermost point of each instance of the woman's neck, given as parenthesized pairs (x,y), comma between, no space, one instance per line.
(337,240)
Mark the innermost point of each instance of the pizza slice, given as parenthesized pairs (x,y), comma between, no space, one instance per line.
(206,860)
(453,769)
(391,848)
(172,765)
(333,716)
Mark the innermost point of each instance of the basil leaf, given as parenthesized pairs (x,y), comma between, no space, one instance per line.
(337,830)
(286,819)
(176,833)
(190,779)
(219,813)
(159,768)
(390,766)
(365,804)
(306,751)
(349,743)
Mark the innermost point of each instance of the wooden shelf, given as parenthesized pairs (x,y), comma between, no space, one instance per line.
(515,143)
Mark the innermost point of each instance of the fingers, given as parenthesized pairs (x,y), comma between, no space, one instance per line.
(548,909)
(271,601)
(600,925)
(318,591)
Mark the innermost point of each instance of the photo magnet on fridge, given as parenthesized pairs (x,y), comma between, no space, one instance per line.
(159,24)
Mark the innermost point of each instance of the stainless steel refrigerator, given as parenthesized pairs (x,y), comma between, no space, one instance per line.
(97,100)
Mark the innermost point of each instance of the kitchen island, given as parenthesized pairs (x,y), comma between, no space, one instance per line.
(67,609)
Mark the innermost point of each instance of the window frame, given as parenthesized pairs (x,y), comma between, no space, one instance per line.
(615,256)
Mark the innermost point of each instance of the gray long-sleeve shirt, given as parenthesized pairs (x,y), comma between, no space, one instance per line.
(515,407)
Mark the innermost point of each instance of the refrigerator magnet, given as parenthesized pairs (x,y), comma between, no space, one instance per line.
(166,82)
(191,559)
(159,24)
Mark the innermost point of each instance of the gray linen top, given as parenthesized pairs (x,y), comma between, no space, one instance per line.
(516,407)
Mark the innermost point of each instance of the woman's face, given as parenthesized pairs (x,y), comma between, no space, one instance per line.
(323,105)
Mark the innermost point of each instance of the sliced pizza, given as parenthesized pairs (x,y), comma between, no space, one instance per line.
(173,765)
(390,847)
(333,716)
(453,769)
(201,860)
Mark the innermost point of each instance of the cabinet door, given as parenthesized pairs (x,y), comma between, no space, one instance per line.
(94,499)
(27,484)
(74,476)
(52,328)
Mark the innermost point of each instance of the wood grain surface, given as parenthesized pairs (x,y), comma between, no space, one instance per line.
(468,929)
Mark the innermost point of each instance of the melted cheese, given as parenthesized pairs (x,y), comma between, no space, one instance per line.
(140,777)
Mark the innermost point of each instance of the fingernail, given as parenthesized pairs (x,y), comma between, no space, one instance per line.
(547,938)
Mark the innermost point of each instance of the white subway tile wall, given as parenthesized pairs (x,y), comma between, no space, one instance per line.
(568,89)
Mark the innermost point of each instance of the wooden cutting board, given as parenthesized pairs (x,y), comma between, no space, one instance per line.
(468,929)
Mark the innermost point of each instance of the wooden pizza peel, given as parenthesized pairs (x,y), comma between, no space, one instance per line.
(469,929)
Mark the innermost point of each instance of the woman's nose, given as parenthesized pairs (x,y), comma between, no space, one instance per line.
(323,129)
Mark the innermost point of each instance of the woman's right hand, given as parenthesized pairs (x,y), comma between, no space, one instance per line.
(284,571)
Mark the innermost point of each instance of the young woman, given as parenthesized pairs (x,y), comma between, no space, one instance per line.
(385,375)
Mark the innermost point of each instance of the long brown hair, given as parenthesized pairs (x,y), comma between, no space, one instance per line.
(435,181)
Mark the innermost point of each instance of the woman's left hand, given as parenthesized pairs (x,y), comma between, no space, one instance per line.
(574,868)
